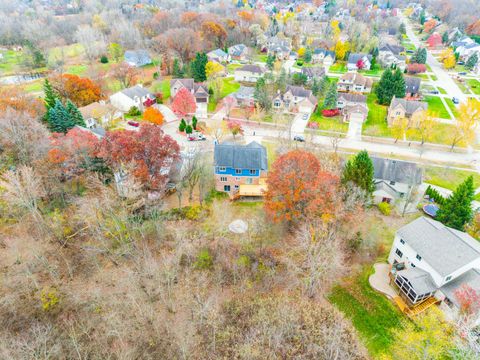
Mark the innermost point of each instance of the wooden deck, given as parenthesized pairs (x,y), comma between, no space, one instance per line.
(253,190)
(417,309)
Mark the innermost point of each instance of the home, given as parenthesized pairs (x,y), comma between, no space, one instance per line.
(349,99)
(239,52)
(359,62)
(248,73)
(412,87)
(136,96)
(311,73)
(392,55)
(241,170)
(99,114)
(430,263)
(465,51)
(393,179)
(323,56)
(198,90)
(279,47)
(244,96)
(357,112)
(218,55)
(355,82)
(296,99)
(137,58)
(402,108)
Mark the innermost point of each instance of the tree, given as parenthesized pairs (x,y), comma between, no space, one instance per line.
(148,150)
(359,170)
(59,120)
(429,25)
(229,102)
(213,69)
(469,299)
(315,87)
(308,55)
(472,61)
(402,29)
(416,68)
(331,98)
(445,37)
(261,95)
(81,91)
(457,210)
(398,84)
(425,124)
(194,122)
(235,128)
(185,42)
(216,31)
(50,95)
(125,74)
(177,70)
(360,64)
(467,119)
(341,49)
(299,79)
(116,51)
(153,116)
(399,128)
(74,113)
(270,61)
(391,84)
(448,58)
(422,17)
(182,125)
(198,67)
(184,102)
(301,52)
(420,56)
(434,40)
(188,129)
(298,189)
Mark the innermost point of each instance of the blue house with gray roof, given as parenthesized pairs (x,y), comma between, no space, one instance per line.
(241,170)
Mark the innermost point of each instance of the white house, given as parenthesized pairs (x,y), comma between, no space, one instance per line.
(198,90)
(99,114)
(134,96)
(218,55)
(354,59)
(249,73)
(431,261)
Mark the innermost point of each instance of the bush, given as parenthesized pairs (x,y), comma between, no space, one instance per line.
(415,68)
(182,125)
(204,260)
(330,112)
(156,75)
(104,60)
(49,299)
(435,195)
(194,122)
(384,208)
(188,129)
(300,62)
(134,111)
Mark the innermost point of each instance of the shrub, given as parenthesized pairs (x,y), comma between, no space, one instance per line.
(188,129)
(49,299)
(104,59)
(182,125)
(435,195)
(312,125)
(330,112)
(194,122)
(415,68)
(204,260)
(384,208)
(134,111)
(156,75)
(300,62)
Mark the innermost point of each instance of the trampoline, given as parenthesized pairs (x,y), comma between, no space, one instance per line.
(431,209)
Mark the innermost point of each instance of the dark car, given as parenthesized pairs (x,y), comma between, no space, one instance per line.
(299,138)
(133,123)
(455,101)
(461,63)
(435,92)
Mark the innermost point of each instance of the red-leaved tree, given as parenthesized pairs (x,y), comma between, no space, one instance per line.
(434,40)
(229,102)
(235,128)
(298,189)
(469,299)
(360,64)
(184,102)
(415,68)
(149,151)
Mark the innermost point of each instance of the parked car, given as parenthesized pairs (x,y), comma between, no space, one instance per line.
(305,117)
(410,52)
(461,63)
(196,137)
(133,123)
(435,92)
(299,138)
(455,101)
(462,73)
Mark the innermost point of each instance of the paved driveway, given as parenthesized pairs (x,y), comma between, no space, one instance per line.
(380,280)
(300,123)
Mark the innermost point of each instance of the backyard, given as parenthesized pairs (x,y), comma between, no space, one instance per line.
(449,178)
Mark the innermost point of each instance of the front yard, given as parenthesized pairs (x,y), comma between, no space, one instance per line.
(435,104)
(376,124)
(338,67)
(329,124)
(474,85)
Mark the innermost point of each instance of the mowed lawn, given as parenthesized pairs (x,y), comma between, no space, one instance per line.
(376,124)
(330,124)
(474,85)
(10,62)
(435,104)
(449,178)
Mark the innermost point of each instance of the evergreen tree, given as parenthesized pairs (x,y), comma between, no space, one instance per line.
(420,56)
(198,67)
(59,120)
(308,55)
(75,114)
(182,125)
(324,85)
(261,96)
(188,129)
(315,87)
(422,17)
(457,210)
(398,84)
(445,37)
(384,87)
(281,83)
(177,71)
(331,98)
(402,29)
(194,122)
(50,95)
(359,171)
(472,61)
(270,61)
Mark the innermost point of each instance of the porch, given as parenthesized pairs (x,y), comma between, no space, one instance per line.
(250,190)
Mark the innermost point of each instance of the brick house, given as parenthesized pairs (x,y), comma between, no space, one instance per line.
(355,82)
(405,109)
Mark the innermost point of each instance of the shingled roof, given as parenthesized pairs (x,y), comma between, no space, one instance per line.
(410,106)
(251,68)
(412,84)
(397,170)
(137,91)
(251,156)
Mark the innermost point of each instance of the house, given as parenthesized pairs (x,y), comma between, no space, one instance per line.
(393,179)
(355,82)
(248,73)
(241,170)
(198,90)
(392,55)
(239,52)
(311,73)
(279,47)
(218,55)
(136,95)
(465,51)
(244,96)
(430,262)
(137,58)
(402,108)
(355,59)
(323,56)
(357,112)
(412,87)
(349,99)
(295,98)
(99,114)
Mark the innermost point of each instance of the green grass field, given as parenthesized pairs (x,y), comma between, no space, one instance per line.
(65,52)
(435,104)
(442,91)
(474,85)
(10,63)
(330,124)
(229,86)
(376,124)
(338,67)
(449,178)
(452,106)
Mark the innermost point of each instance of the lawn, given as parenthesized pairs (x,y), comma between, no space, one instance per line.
(62,52)
(376,124)
(338,67)
(329,124)
(474,85)
(232,67)
(435,104)
(78,70)
(449,178)
(162,86)
(229,86)
(452,106)
(34,86)
(376,71)
(10,62)
(260,57)
(408,46)
(374,317)
(442,90)
(434,77)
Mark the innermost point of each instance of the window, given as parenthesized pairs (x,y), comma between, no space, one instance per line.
(412,265)
(237,179)
(419,258)
(238,171)
(448,278)
(223,178)
(399,253)
(253,172)
(392,182)
(222,168)
(402,241)
(236,187)
(226,188)
(249,181)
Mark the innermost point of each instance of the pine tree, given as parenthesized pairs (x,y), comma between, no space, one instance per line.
(359,171)
(308,55)
(59,120)
(194,122)
(398,84)
(384,88)
(331,98)
(457,210)
(315,87)
(188,129)
(182,125)
(50,95)
(445,37)
(177,70)
(422,17)
(472,61)
(260,94)
(270,61)
(198,67)
(76,115)
(420,57)
(402,29)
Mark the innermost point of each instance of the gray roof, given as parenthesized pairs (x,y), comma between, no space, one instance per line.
(350,97)
(251,156)
(410,106)
(137,57)
(353,58)
(412,84)
(217,52)
(396,170)
(420,280)
(394,49)
(298,91)
(324,51)
(470,278)
(251,68)
(244,92)
(137,91)
(314,71)
(237,50)
(444,249)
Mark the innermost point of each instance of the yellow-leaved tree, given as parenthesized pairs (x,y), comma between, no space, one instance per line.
(424,124)
(467,120)
(335,25)
(448,58)
(213,69)
(399,128)
(341,49)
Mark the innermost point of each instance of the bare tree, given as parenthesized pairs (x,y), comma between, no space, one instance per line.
(92,41)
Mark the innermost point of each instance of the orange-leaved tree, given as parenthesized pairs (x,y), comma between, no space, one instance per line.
(153,115)
(299,189)
(81,91)
(184,102)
